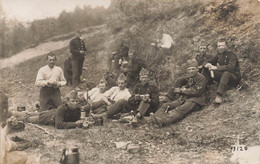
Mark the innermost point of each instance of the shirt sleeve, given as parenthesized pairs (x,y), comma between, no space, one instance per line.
(131,99)
(40,81)
(197,89)
(109,92)
(230,65)
(59,119)
(62,80)
(128,95)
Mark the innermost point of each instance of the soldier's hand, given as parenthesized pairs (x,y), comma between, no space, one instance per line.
(146,99)
(213,68)
(208,65)
(137,97)
(177,90)
(79,123)
(82,52)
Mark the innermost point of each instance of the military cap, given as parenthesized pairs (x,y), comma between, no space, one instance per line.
(121,77)
(72,95)
(192,63)
(144,72)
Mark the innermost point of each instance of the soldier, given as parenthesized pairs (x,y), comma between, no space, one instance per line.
(78,50)
(192,97)
(68,69)
(144,100)
(50,78)
(202,57)
(224,67)
(131,66)
(66,116)
(113,95)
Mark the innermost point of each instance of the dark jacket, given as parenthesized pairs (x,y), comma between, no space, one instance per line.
(153,92)
(195,88)
(62,117)
(202,59)
(227,61)
(77,45)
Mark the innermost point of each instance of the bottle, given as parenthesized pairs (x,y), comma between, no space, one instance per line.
(82,114)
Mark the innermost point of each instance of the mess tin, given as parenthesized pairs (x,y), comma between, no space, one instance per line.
(70,156)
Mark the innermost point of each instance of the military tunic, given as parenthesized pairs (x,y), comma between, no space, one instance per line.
(227,72)
(153,93)
(77,45)
(62,117)
(193,98)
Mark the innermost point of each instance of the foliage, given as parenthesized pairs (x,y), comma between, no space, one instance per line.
(18,36)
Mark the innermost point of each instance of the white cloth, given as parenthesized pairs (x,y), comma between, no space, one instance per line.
(166,41)
(116,94)
(46,74)
(94,95)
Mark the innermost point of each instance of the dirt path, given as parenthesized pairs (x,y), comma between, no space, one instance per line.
(42,49)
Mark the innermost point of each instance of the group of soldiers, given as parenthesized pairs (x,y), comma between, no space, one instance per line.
(139,97)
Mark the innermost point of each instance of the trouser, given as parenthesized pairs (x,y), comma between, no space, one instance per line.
(30,117)
(143,108)
(177,110)
(77,66)
(122,106)
(68,71)
(97,107)
(49,98)
(225,79)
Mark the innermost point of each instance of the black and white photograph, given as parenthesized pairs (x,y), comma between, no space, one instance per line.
(129,81)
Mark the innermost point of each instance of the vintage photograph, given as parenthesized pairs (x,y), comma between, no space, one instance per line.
(129,81)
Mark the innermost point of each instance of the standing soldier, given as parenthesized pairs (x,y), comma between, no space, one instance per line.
(192,97)
(78,50)
(68,69)
(225,68)
(50,78)
(133,66)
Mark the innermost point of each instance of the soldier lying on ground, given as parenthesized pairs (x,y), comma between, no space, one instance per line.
(191,93)
(113,95)
(66,116)
(144,100)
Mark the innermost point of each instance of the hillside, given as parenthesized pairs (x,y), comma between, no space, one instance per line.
(205,136)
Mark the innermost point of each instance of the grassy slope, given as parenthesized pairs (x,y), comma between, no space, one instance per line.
(204,136)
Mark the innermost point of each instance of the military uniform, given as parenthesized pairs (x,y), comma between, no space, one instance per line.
(192,98)
(77,45)
(145,107)
(68,71)
(228,71)
(202,59)
(132,75)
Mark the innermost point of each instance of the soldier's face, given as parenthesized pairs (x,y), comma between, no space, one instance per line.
(78,35)
(202,49)
(121,84)
(102,87)
(73,103)
(221,47)
(144,79)
(51,61)
(192,71)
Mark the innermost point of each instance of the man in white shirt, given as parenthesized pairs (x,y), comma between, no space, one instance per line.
(50,78)
(116,93)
